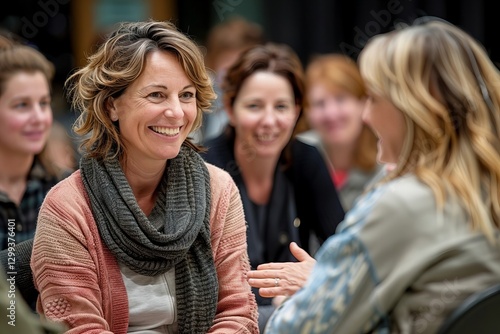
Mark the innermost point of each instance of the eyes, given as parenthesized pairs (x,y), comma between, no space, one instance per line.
(27,105)
(279,106)
(336,100)
(159,96)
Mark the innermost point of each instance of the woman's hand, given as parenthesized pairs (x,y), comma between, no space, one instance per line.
(285,278)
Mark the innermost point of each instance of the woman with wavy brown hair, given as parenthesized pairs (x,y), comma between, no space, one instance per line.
(426,236)
(145,236)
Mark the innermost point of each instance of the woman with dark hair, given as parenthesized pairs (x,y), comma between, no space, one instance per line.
(285,185)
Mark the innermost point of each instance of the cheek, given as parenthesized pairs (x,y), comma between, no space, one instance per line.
(49,119)
(287,122)
(245,120)
(15,122)
(192,112)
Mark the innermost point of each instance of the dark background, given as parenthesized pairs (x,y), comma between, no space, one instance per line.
(309,26)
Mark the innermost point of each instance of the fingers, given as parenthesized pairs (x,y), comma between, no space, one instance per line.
(299,253)
(271,292)
(264,273)
(264,282)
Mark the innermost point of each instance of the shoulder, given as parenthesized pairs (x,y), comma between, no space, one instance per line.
(405,192)
(402,204)
(307,162)
(310,137)
(221,183)
(71,185)
(305,145)
(218,176)
(305,154)
(67,196)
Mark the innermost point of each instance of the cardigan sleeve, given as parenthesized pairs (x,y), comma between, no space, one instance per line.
(64,269)
(236,308)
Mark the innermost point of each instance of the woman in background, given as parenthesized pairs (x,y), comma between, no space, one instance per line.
(26,170)
(285,185)
(335,99)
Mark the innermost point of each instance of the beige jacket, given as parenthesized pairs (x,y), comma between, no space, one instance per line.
(397,264)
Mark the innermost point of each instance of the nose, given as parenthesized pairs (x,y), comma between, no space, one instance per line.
(174,108)
(269,116)
(41,112)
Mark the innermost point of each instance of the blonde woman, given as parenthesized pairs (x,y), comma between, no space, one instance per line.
(426,237)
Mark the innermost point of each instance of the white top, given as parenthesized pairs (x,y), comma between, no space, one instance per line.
(151,301)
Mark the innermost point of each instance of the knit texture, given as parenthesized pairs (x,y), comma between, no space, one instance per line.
(71,265)
(176,233)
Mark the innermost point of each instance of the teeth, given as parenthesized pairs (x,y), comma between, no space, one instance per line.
(265,137)
(166,131)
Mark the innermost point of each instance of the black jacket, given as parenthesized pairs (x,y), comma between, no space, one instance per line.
(303,190)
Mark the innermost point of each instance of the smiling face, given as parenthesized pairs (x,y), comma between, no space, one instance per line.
(156,112)
(388,124)
(264,114)
(25,114)
(335,114)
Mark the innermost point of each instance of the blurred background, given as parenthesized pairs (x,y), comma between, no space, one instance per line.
(68,30)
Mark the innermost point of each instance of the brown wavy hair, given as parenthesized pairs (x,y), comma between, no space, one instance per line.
(119,61)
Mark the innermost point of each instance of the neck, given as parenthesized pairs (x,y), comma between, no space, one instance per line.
(143,181)
(15,167)
(14,173)
(253,165)
(257,173)
(341,155)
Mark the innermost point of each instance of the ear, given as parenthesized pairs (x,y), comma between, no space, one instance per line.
(113,113)
(230,113)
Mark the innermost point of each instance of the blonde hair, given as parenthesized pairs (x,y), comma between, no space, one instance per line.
(115,65)
(448,90)
(336,71)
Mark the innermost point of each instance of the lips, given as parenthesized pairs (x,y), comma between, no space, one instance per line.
(166,131)
(267,137)
(35,135)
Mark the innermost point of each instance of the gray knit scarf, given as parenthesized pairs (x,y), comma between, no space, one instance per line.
(176,233)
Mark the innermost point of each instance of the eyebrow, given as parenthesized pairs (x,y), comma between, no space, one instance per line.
(165,87)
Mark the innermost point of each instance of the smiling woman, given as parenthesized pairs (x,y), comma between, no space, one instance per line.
(26,170)
(145,221)
(25,122)
(286,189)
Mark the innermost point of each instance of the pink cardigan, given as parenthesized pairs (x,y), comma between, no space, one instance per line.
(80,282)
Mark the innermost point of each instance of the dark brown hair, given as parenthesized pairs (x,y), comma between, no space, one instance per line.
(275,58)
